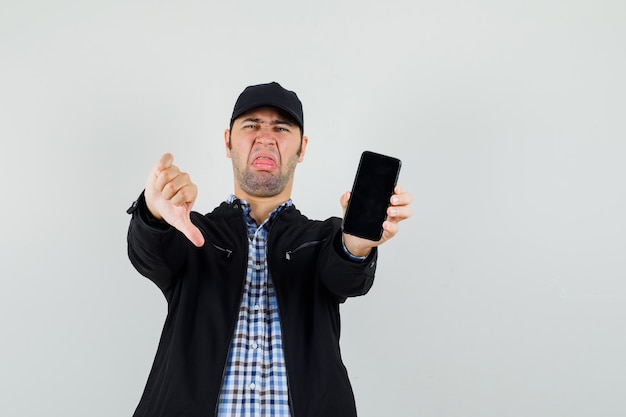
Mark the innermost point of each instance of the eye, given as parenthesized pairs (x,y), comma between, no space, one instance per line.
(282,129)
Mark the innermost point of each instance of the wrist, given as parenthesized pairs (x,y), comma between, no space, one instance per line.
(351,244)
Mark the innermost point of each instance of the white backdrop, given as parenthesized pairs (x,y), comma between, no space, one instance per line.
(504,295)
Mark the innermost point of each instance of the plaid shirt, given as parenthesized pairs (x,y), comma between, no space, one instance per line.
(255,379)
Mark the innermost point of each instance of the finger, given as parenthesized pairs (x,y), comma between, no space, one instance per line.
(166,161)
(401,199)
(389,230)
(162,180)
(166,175)
(185,196)
(398,213)
(180,184)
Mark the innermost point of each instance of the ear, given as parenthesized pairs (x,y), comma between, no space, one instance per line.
(305,141)
(227,142)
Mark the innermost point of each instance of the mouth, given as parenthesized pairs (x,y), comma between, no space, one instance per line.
(264,161)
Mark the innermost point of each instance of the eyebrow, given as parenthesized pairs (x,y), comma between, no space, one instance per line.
(273,122)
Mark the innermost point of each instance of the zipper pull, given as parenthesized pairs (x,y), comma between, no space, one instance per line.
(288,255)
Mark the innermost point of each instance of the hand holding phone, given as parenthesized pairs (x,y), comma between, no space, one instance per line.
(373,187)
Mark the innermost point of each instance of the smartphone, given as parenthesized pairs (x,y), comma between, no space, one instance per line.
(373,187)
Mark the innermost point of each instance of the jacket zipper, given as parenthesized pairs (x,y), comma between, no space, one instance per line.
(234,325)
(226,252)
(302,246)
(292,409)
(288,254)
(287,257)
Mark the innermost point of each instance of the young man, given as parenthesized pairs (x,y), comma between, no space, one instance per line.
(253,288)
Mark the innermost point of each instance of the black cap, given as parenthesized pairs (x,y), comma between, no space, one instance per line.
(272,95)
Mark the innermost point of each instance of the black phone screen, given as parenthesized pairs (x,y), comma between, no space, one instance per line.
(373,186)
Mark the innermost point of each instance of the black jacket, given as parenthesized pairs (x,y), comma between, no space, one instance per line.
(203,287)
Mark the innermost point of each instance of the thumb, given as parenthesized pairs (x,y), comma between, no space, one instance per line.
(344,200)
(190,231)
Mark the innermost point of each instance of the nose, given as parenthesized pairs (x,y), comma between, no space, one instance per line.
(265,136)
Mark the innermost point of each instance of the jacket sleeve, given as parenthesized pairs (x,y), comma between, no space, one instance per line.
(154,247)
(343,276)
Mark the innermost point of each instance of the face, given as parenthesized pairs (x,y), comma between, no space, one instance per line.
(265,148)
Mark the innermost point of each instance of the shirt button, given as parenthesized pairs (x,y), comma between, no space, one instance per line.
(254,346)
(252,386)
(257,267)
(256,307)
